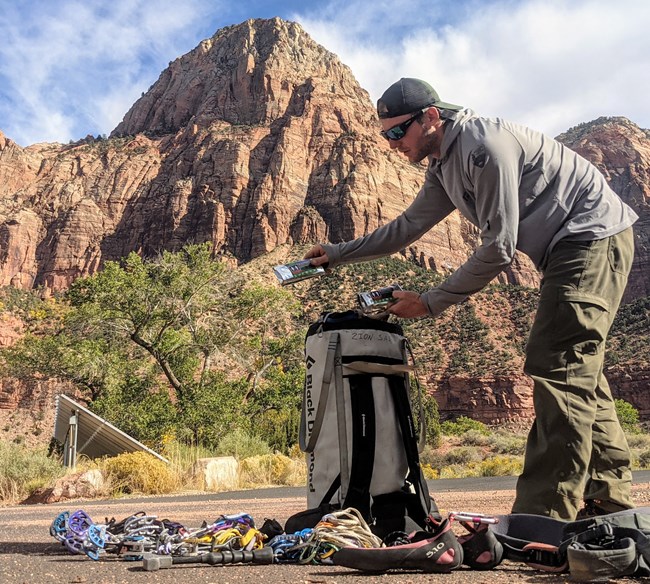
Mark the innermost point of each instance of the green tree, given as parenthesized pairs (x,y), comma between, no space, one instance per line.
(179,339)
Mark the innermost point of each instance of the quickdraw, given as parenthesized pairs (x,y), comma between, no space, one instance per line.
(287,547)
(140,534)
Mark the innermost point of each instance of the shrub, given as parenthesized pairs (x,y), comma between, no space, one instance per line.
(639,441)
(242,445)
(462,425)
(476,438)
(458,471)
(644,459)
(430,456)
(500,466)
(271,469)
(23,470)
(139,472)
(430,473)
(456,457)
(628,416)
(462,455)
(503,443)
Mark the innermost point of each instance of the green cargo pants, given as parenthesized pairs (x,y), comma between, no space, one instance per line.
(576,449)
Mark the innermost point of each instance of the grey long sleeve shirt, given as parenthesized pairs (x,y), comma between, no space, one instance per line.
(522,189)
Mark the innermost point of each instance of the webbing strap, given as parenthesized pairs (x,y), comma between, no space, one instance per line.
(341,420)
(380,368)
(328,375)
(408,352)
(362,405)
(540,556)
(327,497)
(405,418)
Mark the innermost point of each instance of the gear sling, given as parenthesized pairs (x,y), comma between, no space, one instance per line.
(357,427)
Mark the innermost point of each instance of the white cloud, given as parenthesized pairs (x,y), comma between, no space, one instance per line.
(72,68)
(548,64)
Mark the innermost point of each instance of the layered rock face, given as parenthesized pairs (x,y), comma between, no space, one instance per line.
(258,137)
(621,151)
(498,399)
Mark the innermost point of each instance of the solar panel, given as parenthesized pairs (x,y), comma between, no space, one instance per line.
(95,436)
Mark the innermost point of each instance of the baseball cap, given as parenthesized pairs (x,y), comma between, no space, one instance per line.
(409,95)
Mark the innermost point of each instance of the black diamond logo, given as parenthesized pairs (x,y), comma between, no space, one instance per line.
(309,362)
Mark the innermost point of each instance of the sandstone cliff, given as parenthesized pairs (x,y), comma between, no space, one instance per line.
(257,138)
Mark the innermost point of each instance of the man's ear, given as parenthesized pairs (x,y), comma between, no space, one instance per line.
(431,116)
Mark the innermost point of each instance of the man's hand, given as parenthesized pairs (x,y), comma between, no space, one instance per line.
(408,305)
(317,256)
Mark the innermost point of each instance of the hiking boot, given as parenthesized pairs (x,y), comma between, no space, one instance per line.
(440,552)
(596,507)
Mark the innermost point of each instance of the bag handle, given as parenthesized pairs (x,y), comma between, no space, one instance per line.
(328,376)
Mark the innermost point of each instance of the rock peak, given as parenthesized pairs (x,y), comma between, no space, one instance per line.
(248,74)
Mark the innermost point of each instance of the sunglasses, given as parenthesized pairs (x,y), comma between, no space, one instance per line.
(399,131)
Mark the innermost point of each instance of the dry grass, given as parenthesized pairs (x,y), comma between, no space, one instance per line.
(23,470)
(272,469)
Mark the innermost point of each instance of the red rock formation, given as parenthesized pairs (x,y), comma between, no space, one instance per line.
(621,150)
(258,137)
(497,399)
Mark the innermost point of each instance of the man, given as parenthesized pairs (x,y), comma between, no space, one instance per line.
(525,192)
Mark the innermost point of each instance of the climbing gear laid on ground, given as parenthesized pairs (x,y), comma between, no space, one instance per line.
(357,427)
(438,552)
(139,534)
(593,549)
(152,562)
(336,531)
(287,548)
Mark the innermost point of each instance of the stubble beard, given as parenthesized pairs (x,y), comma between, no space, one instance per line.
(425,149)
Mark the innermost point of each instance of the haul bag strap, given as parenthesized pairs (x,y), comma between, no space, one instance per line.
(541,556)
(327,497)
(532,539)
(341,419)
(408,352)
(405,417)
(380,368)
(362,405)
(328,376)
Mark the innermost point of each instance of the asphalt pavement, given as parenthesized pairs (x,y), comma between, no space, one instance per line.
(29,555)
(464,485)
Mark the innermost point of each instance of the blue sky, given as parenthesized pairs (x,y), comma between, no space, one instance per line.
(69,68)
